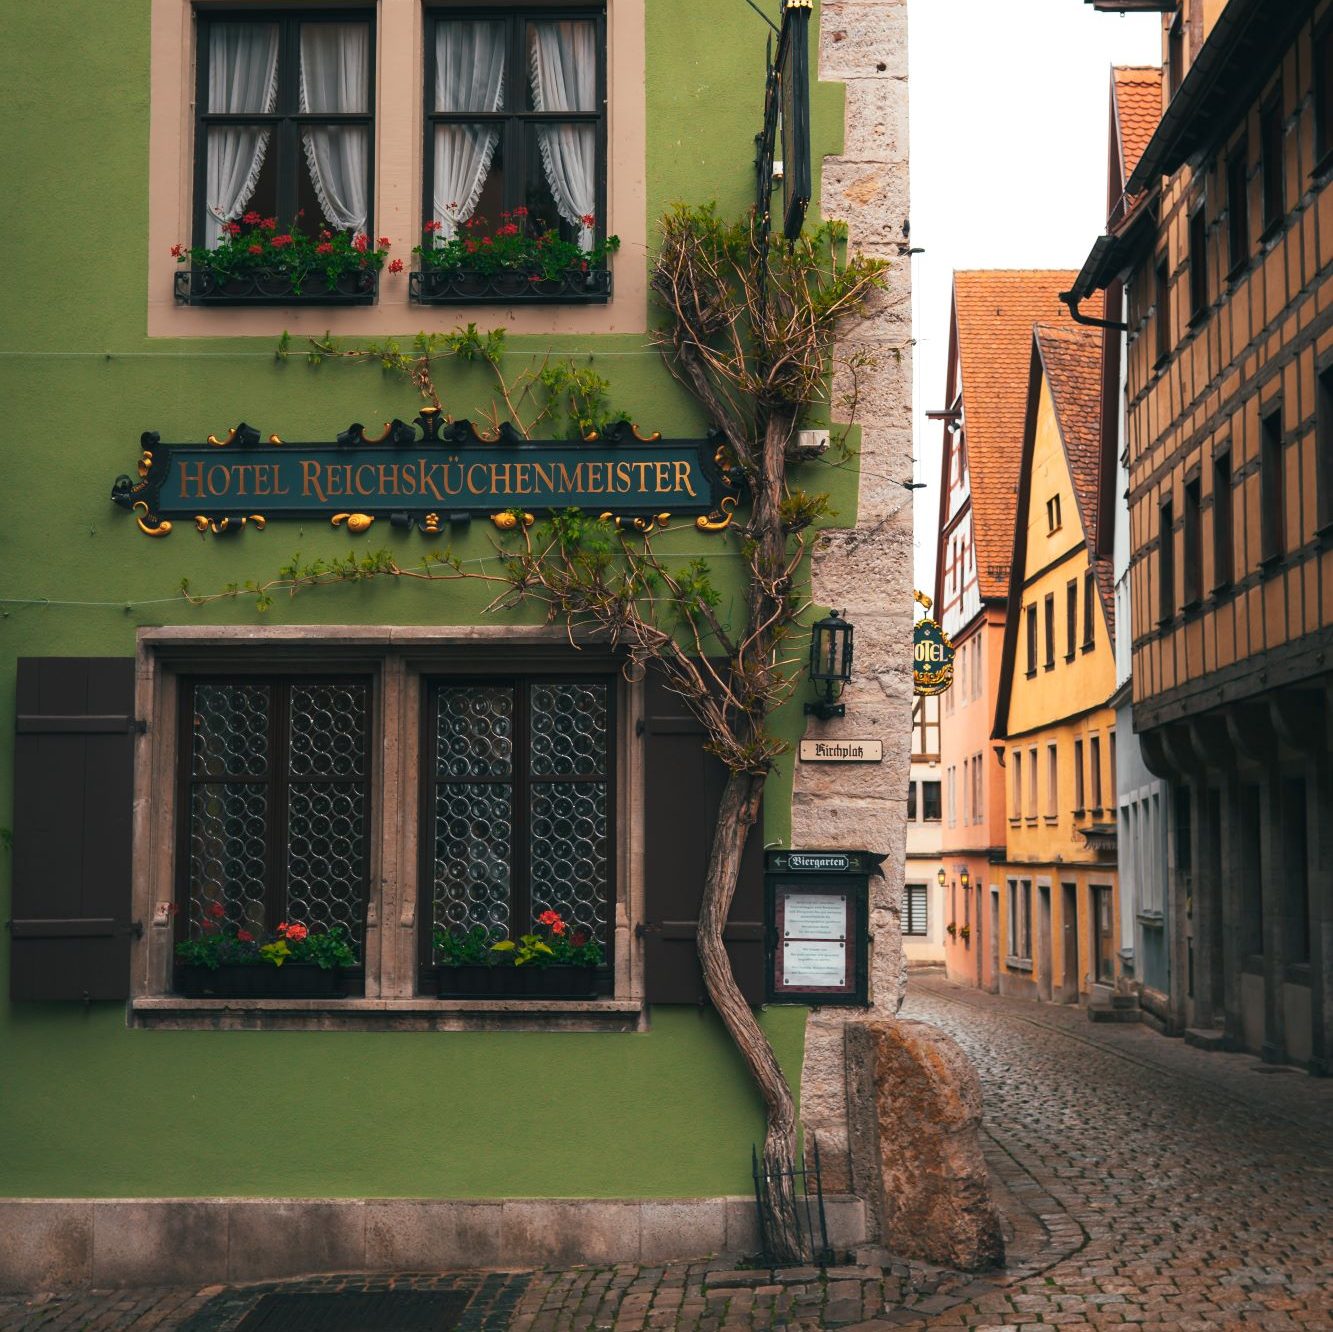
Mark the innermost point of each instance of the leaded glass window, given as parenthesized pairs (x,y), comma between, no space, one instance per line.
(275,778)
(519,806)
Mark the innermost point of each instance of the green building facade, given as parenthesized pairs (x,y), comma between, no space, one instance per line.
(390,1093)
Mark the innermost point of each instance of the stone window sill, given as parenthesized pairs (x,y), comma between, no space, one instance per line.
(1018,963)
(171,1011)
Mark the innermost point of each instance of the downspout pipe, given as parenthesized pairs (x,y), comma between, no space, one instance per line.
(1072,298)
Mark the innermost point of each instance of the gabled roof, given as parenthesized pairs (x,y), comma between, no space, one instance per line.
(994,311)
(1069,358)
(1136,105)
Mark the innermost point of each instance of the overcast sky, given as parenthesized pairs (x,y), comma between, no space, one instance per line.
(1009,105)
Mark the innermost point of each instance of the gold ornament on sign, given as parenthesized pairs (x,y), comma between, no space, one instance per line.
(162,529)
(507,522)
(356,522)
(720,521)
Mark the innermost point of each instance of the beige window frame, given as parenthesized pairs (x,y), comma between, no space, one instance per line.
(396,190)
(398,660)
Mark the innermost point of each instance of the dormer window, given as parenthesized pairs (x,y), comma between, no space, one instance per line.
(1053,514)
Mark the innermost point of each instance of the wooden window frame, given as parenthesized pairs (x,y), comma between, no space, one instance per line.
(1162,308)
(1095,792)
(397,658)
(1166,561)
(1238,208)
(1089,610)
(1052,782)
(1322,53)
(1272,139)
(286,118)
(1272,487)
(1048,607)
(1080,790)
(1198,251)
(1071,619)
(521,782)
(1192,553)
(1031,612)
(1224,558)
(930,789)
(277,783)
(514,123)
(1324,446)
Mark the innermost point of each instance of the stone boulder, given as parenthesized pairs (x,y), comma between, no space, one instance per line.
(915,1126)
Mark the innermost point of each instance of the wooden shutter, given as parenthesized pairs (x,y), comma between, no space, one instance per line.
(73,790)
(682,789)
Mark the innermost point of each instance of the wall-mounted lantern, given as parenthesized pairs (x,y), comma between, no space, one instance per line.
(830,664)
(940,876)
(964,878)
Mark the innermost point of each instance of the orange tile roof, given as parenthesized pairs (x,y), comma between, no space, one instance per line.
(1071,356)
(994,311)
(1136,91)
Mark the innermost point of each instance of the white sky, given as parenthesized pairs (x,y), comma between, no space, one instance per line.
(1009,105)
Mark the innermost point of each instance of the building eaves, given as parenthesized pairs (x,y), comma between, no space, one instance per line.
(1232,66)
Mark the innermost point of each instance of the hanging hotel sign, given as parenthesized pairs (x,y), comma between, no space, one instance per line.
(429,475)
(932,658)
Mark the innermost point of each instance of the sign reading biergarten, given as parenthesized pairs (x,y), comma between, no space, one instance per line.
(428,475)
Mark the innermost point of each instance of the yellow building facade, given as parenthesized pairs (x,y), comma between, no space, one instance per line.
(1054,722)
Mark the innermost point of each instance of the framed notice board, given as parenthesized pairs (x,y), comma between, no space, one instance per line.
(817,906)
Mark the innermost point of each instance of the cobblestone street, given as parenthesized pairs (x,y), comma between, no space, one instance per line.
(1142,1181)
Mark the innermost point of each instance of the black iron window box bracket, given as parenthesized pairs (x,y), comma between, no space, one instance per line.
(202,286)
(574,287)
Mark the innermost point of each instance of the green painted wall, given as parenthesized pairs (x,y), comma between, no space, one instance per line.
(89,1106)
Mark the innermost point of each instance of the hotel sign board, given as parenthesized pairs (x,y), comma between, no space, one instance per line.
(932,658)
(842,751)
(441,473)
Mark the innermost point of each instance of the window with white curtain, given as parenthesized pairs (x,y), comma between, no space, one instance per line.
(284,121)
(515,120)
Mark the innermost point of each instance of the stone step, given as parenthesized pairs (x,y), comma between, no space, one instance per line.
(1206,1038)
(1110,1013)
(1125,1001)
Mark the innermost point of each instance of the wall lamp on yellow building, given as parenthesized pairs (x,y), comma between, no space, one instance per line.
(965,879)
(940,876)
(830,664)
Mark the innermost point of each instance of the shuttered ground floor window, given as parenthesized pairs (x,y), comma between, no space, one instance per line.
(914,909)
(519,808)
(275,795)
(386,781)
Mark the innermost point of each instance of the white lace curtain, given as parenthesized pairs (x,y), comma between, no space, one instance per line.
(335,76)
(242,76)
(469,76)
(564,78)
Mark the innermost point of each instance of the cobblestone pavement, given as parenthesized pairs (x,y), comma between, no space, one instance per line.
(1142,1182)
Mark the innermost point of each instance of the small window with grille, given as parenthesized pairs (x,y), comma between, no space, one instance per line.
(275,777)
(518,814)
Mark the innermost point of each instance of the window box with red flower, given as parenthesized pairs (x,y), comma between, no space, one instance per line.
(509,264)
(257,264)
(225,961)
(552,962)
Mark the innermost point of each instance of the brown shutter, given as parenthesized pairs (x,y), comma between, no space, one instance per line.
(682,788)
(73,789)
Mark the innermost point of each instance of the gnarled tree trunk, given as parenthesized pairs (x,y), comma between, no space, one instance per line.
(736,815)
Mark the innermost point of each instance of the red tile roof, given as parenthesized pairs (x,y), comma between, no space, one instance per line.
(994,312)
(1071,356)
(1136,92)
